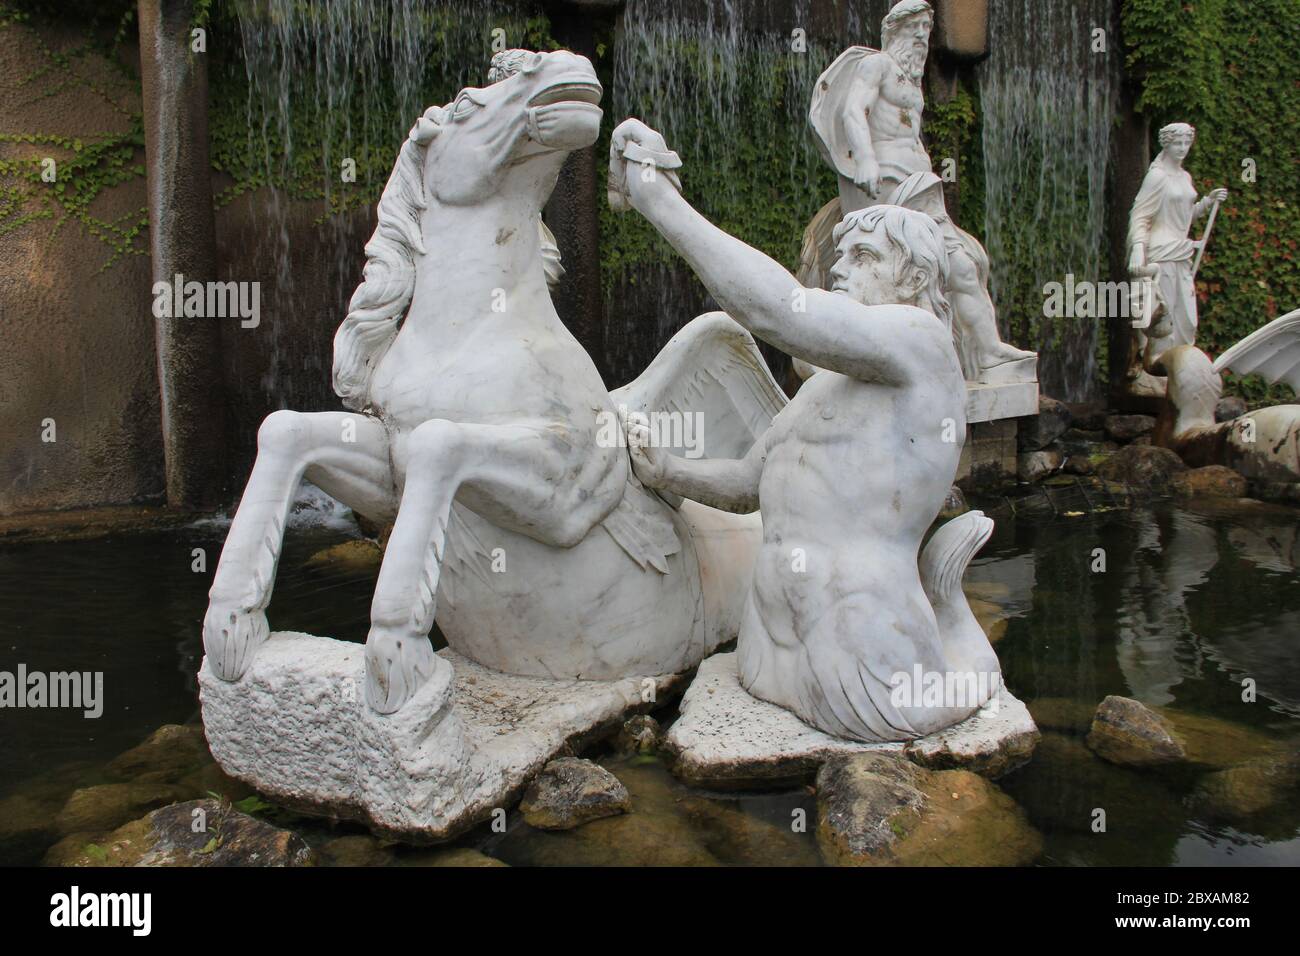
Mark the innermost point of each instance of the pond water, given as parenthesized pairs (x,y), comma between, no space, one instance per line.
(1191,603)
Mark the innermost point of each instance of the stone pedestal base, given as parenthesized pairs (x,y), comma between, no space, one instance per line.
(297,728)
(990,403)
(726,740)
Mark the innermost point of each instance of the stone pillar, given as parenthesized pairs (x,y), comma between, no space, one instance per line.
(573,212)
(1130,155)
(182,241)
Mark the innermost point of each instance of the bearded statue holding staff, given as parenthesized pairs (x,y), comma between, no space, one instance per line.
(1159,250)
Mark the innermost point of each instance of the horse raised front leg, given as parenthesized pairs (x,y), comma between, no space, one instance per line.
(539,481)
(347,456)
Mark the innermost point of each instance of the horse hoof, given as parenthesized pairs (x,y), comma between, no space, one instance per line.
(397,666)
(231,636)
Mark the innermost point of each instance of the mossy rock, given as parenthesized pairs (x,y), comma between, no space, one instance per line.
(168,837)
(169,753)
(357,850)
(881,810)
(452,856)
(1256,786)
(1063,714)
(360,557)
(106,806)
(1127,732)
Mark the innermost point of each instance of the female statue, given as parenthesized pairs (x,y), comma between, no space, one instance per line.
(1158,244)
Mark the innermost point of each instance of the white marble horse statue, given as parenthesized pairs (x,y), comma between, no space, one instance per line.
(481,428)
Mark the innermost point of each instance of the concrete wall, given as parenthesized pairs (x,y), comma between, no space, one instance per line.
(76,343)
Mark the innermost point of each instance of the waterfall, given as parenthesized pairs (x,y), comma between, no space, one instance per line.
(1048,106)
(723,82)
(323,82)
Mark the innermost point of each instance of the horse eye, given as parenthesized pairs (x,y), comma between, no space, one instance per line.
(464,106)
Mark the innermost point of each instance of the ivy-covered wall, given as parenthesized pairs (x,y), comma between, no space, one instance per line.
(1231,68)
(79,406)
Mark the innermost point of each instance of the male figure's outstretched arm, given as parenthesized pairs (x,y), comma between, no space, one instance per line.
(869,343)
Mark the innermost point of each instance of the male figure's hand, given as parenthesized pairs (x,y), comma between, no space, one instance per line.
(633,183)
(647,461)
(867,177)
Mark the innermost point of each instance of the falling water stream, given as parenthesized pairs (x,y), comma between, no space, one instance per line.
(1048,106)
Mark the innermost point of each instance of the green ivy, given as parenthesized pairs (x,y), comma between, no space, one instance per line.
(1230,68)
(85,166)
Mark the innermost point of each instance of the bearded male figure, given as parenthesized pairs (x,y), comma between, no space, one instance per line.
(866,109)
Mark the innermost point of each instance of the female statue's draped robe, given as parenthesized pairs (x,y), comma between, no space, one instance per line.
(1160,219)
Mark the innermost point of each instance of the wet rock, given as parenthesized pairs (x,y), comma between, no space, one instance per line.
(639,735)
(738,838)
(1089,416)
(1253,787)
(1125,428)
(359,557)
(1038,431)
(103,807)
(570,792)
(212,781)
(1035,465)
(1211,742)
(26,829)
(170,752)
(1212,481)
(1143,467)
(1129,733)
(655,833)
(167,837)
(880,810)
(359,850)
(1062,714)
(453,856)
(1230,407)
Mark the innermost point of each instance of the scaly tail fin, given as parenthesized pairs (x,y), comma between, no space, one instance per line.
(943,564)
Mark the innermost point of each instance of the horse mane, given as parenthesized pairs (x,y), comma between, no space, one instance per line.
(379,305)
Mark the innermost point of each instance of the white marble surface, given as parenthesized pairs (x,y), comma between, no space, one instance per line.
(990,403)
(296,726)
(727,739)
(484,432)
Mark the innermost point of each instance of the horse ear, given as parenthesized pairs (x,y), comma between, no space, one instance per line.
(428,125)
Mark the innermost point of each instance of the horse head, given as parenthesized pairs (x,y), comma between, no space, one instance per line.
(510,137)
(503,143)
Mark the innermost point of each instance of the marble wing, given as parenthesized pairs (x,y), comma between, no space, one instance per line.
(1272,351)
(712,370)
(826,114)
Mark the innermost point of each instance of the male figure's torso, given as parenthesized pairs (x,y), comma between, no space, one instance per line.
(855,473)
